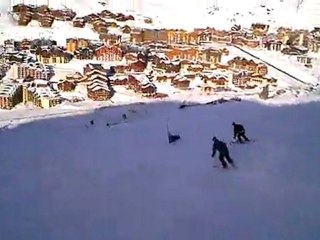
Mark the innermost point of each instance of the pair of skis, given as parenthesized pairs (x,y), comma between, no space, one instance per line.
(228,167)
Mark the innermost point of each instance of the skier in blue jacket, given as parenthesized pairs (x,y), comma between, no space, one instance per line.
(223,150)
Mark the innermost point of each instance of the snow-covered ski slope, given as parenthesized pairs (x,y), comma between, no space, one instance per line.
(61,180)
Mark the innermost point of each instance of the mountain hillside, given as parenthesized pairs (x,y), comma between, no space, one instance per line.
(219,14)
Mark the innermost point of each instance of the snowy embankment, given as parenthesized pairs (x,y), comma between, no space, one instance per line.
(61,180)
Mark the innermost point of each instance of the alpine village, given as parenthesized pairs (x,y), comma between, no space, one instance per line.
(141,62)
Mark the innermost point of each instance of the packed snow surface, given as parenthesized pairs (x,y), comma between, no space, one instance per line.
(62,180)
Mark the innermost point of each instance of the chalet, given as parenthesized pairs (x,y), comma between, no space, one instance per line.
(25,44)
(121,17)
(166,77)
(74,43)
(25,17)
(180,82)
(95,74)
(259,29)
(54,55)
(137,66)
(210,55)
(249,65)
(182,53)
(84,54)
(314,45)
(148,20)
(10,95)
(148,89)
(273,45)
(169,67)
(93,66)
(91,18)
(100,26)
(136,36)
(75,77)
(208,89)
(155,57)
(120,68)
(241,78)
(79,22)
(110,39)
(290,51)
(17,8)
(46,20)
(126,29)
(118,80)
(178,36)
(34,70)
(45,97)
(9,45)
(64,14)
(261,69)
(222,66)
(66,86)
(130,18)
(142,84)
(99,91)
(109,53)
(130,57)
(215,80)
(107,14)
(153,35)
(35,43)
(252,43)
(304,59)
(258,80)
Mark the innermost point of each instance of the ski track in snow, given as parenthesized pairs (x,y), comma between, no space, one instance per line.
(61,180)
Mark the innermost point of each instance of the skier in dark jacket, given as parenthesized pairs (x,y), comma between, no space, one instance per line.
(239,132)
(223,150)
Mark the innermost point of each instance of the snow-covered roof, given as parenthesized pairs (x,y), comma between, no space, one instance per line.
(97,76)
(98,85)
(143,79)
(8,89)
(114,31)
(118,77)
(38,82)
(96,71)
(46,93)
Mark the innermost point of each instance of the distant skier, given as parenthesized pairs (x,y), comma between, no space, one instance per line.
(92,122)
(124,117)
(223,150)
(239,133)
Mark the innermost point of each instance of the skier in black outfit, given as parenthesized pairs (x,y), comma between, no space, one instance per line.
(239,132)
(223,150)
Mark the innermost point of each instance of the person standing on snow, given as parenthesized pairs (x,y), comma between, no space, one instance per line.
(223,150)
(239,132)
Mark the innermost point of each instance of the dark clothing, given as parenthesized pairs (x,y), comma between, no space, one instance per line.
(223,150)
(239,133)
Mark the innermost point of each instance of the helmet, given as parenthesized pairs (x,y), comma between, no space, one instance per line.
(233,123)
(214,139)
